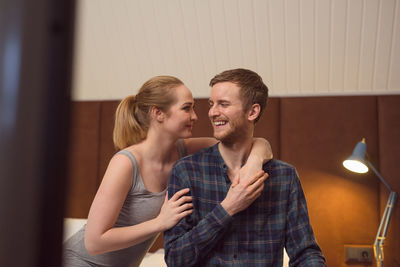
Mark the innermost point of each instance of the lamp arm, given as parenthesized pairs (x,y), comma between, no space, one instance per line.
(387,214)
(379,175)
(383,227)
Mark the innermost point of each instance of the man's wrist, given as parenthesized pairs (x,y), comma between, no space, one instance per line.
(230,210)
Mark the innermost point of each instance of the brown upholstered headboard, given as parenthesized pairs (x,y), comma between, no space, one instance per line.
(314,134)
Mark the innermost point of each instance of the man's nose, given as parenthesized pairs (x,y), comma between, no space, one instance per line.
(214,111)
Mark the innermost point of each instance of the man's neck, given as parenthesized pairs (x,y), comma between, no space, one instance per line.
(235,154)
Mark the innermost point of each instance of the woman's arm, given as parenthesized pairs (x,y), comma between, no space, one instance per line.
(261,150)
(101,237)
(196,144)
(260,153)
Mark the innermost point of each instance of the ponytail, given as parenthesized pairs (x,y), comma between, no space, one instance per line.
(132,119)
(127,130)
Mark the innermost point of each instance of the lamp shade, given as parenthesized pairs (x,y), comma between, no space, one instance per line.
(356,162)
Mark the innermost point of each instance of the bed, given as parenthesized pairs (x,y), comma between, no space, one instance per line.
(72,225)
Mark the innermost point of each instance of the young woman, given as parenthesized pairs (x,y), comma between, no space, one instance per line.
(131,206)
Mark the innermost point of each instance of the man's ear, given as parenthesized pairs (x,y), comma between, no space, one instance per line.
(157,114)
(253,112)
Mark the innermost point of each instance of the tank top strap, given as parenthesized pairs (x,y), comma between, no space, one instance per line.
(136,177)
(129,155)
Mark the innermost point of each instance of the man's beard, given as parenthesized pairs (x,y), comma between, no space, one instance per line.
(235,133)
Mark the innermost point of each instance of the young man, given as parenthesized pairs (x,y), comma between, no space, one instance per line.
(239,222)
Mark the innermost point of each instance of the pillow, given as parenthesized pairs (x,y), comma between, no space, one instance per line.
(71,226)
(154,259)
(157,259)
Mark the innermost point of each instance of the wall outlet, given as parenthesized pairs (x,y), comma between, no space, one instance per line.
(359,254)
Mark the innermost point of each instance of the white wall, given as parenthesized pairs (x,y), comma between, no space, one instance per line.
(299,47)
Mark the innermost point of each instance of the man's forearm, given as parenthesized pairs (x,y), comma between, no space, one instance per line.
(301,243)
(187,247)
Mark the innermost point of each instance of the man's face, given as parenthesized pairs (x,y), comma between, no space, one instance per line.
(226,112)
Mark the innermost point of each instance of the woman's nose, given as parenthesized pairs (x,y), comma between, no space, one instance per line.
(194,116)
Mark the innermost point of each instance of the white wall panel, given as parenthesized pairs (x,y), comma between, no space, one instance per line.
(248,36)
(394,77)
(276,25)
(233,36)
(384,44)
(338,44)
(307,51)
(179,40)
(219,34)
(299,47)
(293,47)
(207,43)
(263,41)
(353,42)
(193,44)
(368,45)
(322,45)
(164,42)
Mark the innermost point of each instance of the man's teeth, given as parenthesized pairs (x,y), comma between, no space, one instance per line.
(217,123)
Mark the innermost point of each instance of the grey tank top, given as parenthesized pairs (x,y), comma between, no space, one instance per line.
(140,205)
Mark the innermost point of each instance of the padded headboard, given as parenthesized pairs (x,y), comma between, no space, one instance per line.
(314,134)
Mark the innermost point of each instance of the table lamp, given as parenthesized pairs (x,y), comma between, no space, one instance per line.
(357,162)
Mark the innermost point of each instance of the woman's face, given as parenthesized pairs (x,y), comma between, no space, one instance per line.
(181,116)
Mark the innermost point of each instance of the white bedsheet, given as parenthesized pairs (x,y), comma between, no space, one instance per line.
(72,225)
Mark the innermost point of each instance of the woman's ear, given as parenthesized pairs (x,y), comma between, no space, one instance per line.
(157,114)
(254,112)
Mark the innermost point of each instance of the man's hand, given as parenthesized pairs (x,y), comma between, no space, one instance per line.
(243,192)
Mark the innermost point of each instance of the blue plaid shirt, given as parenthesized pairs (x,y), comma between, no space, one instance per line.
(253,237)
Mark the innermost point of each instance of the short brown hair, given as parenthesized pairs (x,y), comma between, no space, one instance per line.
(252,88)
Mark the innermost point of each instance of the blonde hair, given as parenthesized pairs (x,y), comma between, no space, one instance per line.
(132,118)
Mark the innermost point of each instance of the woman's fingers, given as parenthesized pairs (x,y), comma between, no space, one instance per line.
(184,214)
(180,193)
(185,207)
(183,200)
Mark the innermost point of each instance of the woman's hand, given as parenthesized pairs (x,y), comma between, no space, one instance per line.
(173,210)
